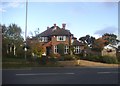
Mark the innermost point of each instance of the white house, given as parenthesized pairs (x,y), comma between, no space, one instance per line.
(109,50)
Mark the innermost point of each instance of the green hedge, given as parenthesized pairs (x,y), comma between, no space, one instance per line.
(103,59)
(65,58)
(110,60)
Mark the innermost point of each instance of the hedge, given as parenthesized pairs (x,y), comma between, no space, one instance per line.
(103,59)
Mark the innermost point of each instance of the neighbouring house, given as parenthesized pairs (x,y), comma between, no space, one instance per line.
(109,50)
(53,36)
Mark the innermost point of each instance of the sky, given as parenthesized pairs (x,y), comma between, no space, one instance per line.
(81,18)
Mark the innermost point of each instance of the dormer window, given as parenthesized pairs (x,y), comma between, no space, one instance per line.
(43,39)
(61,38)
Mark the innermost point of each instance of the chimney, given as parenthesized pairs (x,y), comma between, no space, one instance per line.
(47,28)
(63,25)
(54,25)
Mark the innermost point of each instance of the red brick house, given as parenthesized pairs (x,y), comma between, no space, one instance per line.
(55,35)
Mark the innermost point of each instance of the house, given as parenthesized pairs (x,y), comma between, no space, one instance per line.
(53,36)
(109,50)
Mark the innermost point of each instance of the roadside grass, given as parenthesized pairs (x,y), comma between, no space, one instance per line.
(6,59)
(14,62)
(24,65)
(21,63)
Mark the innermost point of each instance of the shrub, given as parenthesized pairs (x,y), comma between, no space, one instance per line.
(104,59)
(52,60)
(42,60)
(66,57)
(92,58)
(52,55)
(110,60)
(77,56)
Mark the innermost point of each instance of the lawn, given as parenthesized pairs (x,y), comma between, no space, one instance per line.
(22,63)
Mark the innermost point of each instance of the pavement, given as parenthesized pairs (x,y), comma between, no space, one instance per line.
(61,75)
(86,63)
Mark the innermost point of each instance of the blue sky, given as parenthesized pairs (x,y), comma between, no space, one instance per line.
(81,18)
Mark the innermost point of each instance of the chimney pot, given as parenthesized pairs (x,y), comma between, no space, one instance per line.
(54,25)
(47,27)
(63,25)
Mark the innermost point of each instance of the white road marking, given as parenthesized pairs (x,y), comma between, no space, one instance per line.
(107,72)
(19,69)
(44,74)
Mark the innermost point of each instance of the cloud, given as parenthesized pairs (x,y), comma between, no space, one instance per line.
(110,29)
(2,10)
(12,4)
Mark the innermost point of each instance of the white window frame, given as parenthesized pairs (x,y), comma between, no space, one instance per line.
(77,49)
(43,39)
(55,49)
(61,38)
(66,51)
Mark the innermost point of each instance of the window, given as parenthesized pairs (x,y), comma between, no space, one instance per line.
(55,49)
(61,38)
(66,49)
(43,39)
(77,49)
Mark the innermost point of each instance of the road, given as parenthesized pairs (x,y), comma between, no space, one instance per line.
(70,75)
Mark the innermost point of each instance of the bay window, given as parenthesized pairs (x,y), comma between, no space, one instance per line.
(66,49)
(55,49)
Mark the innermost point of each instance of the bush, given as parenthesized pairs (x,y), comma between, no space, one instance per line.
(104,59)
(42,60)
(52,55)
(66,57)
(95,58)
(92,58)
(52,60)
(110,60)
(76,57)
(10,56)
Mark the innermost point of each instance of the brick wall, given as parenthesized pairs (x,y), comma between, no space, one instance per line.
(55,42)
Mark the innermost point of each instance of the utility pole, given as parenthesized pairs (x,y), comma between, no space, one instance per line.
(26,27)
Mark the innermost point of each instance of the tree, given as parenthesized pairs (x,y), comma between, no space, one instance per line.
(15,38)
(110,38)
(37,49)
(11,38)
(87,40)
(4,39)
(98,45)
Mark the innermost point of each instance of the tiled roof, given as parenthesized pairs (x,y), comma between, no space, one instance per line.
(77,43)
(55,32)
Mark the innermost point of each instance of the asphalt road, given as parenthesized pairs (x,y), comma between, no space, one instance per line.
(60,76)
